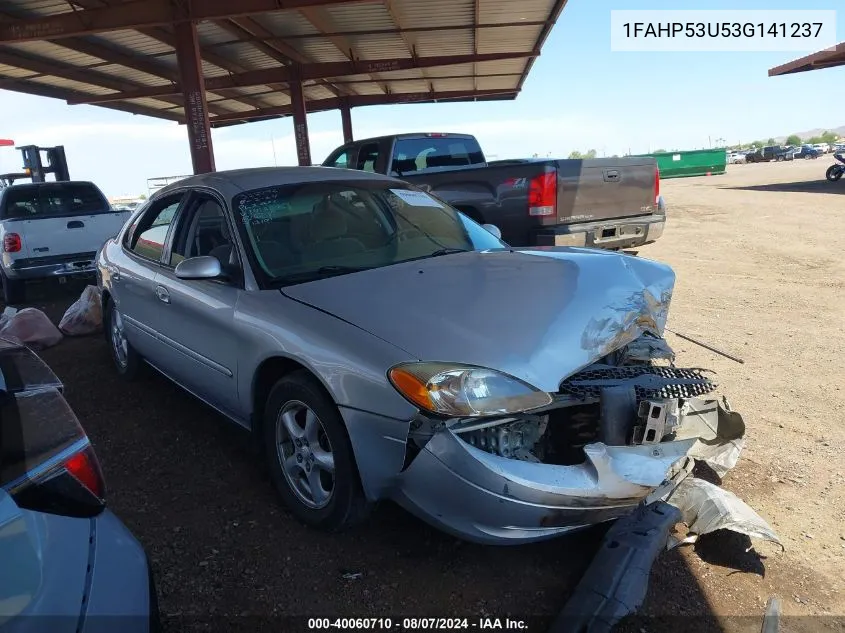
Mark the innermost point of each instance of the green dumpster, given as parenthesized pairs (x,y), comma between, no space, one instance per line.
(698,162)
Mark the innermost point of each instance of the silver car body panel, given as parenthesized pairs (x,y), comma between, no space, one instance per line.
(540,315)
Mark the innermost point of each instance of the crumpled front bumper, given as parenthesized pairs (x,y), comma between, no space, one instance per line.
(482,497)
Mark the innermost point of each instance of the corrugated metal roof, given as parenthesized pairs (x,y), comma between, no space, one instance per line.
(143,59)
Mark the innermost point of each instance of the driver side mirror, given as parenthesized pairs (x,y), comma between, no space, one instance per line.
(201,267)
(493,230)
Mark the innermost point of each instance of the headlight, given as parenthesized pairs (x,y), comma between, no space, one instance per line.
(464,391)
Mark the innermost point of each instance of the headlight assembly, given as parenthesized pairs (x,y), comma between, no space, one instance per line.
(464,391)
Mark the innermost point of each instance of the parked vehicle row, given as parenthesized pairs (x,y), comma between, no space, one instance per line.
(781,153)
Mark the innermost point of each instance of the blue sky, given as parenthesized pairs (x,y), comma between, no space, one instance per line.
(580,95)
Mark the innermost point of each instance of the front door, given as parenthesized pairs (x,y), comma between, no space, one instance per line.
(140,260)
(199,313)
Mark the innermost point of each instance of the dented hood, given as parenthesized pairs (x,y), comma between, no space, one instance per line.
(537,314)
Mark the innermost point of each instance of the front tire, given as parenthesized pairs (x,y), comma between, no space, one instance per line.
(14,290)
(127,361)
(310,457)
(834,173)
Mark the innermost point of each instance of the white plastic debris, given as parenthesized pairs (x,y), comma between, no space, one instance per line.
(707,508)
(85,315)
(30,327)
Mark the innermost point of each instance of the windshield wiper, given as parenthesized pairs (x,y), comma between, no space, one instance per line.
(448,251)
(319,273)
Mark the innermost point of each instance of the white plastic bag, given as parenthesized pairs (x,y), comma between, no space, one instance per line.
(31,327)
(85,315)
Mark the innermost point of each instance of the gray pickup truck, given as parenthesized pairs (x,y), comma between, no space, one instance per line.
(611,203)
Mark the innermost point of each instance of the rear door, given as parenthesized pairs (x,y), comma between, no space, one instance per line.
(63,218)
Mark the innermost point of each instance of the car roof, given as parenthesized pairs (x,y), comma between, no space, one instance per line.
(53,183)
(234,181)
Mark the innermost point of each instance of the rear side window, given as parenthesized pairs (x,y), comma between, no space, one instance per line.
(416,154)
(51,200)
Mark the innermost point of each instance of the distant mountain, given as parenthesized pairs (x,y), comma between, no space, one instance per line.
(814,132)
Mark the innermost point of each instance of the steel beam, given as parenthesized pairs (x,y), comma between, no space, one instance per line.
(316,71)
(321,105)
(300,124)
(196,108)
(346,121)
(142,13)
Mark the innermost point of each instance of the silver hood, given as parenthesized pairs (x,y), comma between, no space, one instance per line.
(537,314)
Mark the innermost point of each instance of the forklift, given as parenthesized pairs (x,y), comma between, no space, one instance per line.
(34,168)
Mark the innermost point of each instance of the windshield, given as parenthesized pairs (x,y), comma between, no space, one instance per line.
(304,232)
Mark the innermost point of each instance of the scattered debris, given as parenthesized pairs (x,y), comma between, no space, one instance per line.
(616,582)
(30,327)
(352,575)
(707,508)
(85,315)
(706,346)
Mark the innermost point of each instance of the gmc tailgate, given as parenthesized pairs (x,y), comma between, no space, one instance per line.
(597,189)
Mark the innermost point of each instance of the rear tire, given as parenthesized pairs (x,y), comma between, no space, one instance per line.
(303,429)
(127,361)
(834,173)
(14,290)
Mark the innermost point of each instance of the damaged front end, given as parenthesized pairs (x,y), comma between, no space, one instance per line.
(625,430)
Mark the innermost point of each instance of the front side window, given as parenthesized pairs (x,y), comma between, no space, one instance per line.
(149,236)
(304,232)
(341,161)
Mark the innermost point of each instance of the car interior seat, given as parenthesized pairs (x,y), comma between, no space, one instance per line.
(328,234)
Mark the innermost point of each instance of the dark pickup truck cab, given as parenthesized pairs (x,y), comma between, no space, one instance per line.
(610,203)
(770,153)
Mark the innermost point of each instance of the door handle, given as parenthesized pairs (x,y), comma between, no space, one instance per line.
(162,294)
(75,224)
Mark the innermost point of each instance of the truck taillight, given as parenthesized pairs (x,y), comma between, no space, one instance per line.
(12,243)
(72,485)
(542,195)
(656,185)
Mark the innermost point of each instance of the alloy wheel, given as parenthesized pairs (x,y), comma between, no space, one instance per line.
(305,454)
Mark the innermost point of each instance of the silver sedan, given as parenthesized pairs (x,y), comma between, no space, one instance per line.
(380,345)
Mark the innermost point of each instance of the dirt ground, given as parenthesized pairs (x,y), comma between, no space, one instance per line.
(758,257)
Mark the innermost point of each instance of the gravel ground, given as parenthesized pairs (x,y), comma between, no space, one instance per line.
(758,253)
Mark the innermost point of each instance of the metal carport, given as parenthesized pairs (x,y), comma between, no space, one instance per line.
(828,58)
(212,63)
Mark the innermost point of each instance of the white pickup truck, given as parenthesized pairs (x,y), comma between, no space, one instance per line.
(52,229)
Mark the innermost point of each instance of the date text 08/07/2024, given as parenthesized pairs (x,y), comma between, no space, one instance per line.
(417,624)
(723,29)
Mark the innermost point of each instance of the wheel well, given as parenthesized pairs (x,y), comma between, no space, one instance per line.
(268,374)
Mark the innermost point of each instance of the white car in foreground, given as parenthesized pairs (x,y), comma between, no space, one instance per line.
(52,229)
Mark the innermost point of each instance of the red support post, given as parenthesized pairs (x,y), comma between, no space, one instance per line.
(300,123)
(346,121)
(193,88)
